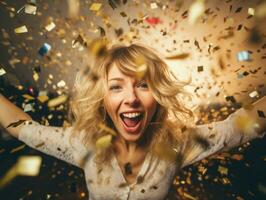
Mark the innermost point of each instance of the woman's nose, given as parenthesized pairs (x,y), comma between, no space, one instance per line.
(132,99)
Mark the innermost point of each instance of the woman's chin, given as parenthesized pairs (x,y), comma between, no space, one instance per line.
(130,137)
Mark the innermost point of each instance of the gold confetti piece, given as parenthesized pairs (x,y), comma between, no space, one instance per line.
(30,9)
(98,47)
(70,173)
(225,181)
(141,67)
(246,124)
(222,170)
(26,166)
(2,72)
(61,84)
(154,5)
(107,129)
(27,96)
(19,10)
(141,71)
(82,194)
(35,76)
(27,107)
(195,11)
(165,152)
(237,157)
(251,11)
(50,26)
(261,10)
(84,159)
(21,29)
(17,123)
(18,148)
(39,145)
(254,94)
(79,41)
(178,56)
(2,150)
(189,196)
(43,98)
(57,101)
(73,8)
(200,68)
(202,169)
(95,6)
(9,176)
(29,165)
(229,21)
(104,141)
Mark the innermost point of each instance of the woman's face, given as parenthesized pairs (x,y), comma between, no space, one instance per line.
(129,103)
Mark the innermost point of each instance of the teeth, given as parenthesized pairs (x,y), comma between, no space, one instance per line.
(131,115)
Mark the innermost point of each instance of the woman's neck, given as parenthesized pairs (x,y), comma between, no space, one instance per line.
(121,145)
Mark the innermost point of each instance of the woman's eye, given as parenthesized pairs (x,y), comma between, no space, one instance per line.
(143,85)
(115,87)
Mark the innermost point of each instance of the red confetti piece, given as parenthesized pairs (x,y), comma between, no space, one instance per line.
(153,20)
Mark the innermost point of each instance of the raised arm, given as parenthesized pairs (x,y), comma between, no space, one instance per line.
(54,141)
(9,113)
(240,127)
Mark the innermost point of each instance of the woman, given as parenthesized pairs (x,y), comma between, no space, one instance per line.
(131,96)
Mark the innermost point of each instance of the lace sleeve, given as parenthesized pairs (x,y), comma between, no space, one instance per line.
(54,141)
(205,140)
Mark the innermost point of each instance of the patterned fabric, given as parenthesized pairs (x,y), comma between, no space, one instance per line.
(155,176)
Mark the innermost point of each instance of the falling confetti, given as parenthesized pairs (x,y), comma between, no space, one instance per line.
(103,127)
(165,152)
(18,148)
(246,124)
(44,49)
(251,11)
(153,20)
(2,72)
(243,56)
(104,141)
(98,47)
(50,26)
(21,29)
(254,94)
(30,9)
(17,123)
(96,6)
(73,8)
(26,166)
(57,101)
(195,11)
(178,56)
(154,5)
(217,33)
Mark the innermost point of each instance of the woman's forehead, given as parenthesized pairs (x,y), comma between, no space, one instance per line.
(114,73)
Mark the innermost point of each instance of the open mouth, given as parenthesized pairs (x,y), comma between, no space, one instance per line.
(131,121)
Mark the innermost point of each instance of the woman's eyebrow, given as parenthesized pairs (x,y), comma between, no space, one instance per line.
(116,79)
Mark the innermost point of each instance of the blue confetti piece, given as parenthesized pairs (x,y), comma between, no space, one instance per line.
(44,49)
(243,56)
(240,75)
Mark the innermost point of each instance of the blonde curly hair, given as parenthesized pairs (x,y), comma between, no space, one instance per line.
(90,87)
